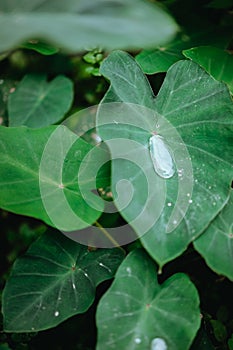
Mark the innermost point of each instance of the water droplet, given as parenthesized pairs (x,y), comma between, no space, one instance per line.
(214,203)
(56,313)
(190,201)
(169,204)
(137,340)
(161,157)
(188,194)
(74,286)
(158,344)
(128,269)
(33,328)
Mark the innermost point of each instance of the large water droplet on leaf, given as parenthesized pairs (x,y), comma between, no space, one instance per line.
(161,157)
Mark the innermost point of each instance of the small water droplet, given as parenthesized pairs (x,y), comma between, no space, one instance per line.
(56,313)
(190,201)
(33,328)
(214,203)
(128,269)
(169,204)
(74,286)
(158,344)
(188,194)
(137,340)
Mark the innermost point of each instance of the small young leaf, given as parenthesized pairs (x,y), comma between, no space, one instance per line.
(53,281)
(37,103)
(41,47)
(138,313)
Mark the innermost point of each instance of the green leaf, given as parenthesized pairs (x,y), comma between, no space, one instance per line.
(200,110)
(39,171)
(40,46)
(219,329)
(37,103)
(53,281)
(230,342)
(138,313)
(220,4)
(202,341)
(216,243)
(217,62)
(75,25)
(160,59)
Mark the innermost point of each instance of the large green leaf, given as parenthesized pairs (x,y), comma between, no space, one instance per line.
(160,59)
(200,110)
(76,25)
(39,171)
(138,313)
(37,103)
(216,244)
(54,280)
(217,62)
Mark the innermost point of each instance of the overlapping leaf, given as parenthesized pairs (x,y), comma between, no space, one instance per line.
(39,176)
(138,313)
(54,280)
(216,244)
(160,59)
(217,62)
(75,25)
(37,103)
(200,108)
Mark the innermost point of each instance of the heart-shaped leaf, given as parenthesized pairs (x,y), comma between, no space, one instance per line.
(217,62)
(216,243)
(37,103)
(75,25)
(194,114)
(53,281)
(39,171)
(138,313)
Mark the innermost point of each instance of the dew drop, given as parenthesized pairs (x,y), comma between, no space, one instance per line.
(128,269)
(190,201)
(56,313)
(73,285)
(169,204)
(137,340)
(161,157)
(158,344)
